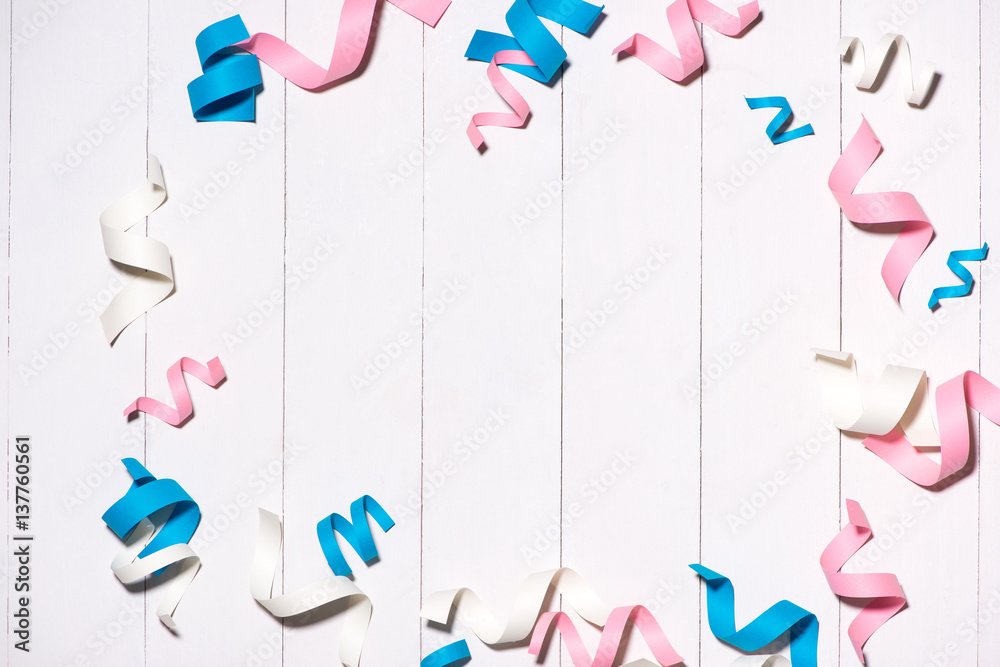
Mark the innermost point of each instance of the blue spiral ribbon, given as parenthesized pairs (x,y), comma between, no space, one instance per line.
(149,495)
(531,36)
(764,629)
(783,118)
(357,532)
(954,263)
(226,89)
(456,653)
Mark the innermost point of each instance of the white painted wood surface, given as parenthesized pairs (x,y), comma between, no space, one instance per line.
(587,347)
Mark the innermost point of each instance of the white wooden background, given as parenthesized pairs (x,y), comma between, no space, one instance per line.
(615,401)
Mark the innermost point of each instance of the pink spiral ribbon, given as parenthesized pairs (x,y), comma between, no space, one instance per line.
(611,637)
(891,209)
(883,590)
(681,16)
(211,374)
(507,92)
(353,36)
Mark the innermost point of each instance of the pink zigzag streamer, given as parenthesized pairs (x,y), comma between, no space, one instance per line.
(353,35)
(211,374)
(681,16)
(507,92)
(611,637)
(883,590)
(891,209)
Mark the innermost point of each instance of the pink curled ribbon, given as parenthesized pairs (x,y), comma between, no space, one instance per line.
(611,637)
(211,374)
(353,35)
(884,591)
(891,209)
(681,16)
(507,93)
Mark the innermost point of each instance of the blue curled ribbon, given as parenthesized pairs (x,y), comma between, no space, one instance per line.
(149,495)
(783,118)
(456,653)
(357,532)
(764,629)
(531,36)
(954,259)
(226,89)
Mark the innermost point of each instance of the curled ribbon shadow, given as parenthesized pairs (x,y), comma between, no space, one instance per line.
(681,16)
(145,553)
(955,259)
(212,375)
(867,74)
(357,532)
(611,637)
(883,590)
(139,252)
(783,118)
(880,208)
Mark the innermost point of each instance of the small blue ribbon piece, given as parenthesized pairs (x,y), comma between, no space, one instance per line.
(226,90)
(357,532)
(783,118)
(456,653)
(954,263)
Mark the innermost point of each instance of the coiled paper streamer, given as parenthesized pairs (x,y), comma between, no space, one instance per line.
(527,606)
(681,16)
(611,637)
(531,51)
(212,375)
(140,252)
(782,617)
(866,74)
(894,447)
(265,562)
(880,208)
(955,258)
(456,653)
(357,532)
(883,590)
(146,554)
(783,118)
(229,84)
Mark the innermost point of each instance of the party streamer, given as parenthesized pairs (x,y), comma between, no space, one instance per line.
(212,375)
(531,51)
(681,16)
(140,252)
(456,653)
(900,452)
(357,616)
(955,258)
(230,81)
(866,75)
(357,532)
(782,617)
(883,590)
(611,637)
(576,593)
(782,119)
(144,553)
(880,208)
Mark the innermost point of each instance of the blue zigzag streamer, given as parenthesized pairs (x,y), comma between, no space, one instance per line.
(764,629)
(357,532)
(531,36)
(954,259)
(453,654)
(230,81)
(146,496)
(784,116)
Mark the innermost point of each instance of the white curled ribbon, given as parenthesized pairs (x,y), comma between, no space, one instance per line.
(527,606)
(309,597)
(130,569)
(900,397)
(866,73)
(140,252)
